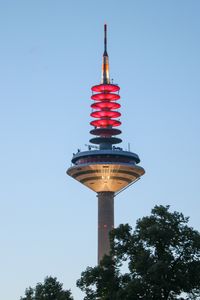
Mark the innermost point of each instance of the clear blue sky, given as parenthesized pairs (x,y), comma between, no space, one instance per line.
(50,56)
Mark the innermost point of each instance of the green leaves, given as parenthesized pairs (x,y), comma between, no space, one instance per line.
(163,257)
(51,289)
(100,282)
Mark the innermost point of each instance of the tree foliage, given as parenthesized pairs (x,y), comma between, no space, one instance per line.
(51,289)
(163,259)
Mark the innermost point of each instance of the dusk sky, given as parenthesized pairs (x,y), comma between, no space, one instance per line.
(50,56)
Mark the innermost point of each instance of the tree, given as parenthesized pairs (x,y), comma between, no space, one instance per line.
(51,289)
(162,258)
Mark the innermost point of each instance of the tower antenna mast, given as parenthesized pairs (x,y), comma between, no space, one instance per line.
(105,39)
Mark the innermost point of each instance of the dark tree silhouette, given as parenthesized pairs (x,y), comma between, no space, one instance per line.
(51,289)
(162,258)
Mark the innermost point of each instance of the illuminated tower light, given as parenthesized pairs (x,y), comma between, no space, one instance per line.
(109,169)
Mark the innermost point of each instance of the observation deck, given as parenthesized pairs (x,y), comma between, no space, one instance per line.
(106,170)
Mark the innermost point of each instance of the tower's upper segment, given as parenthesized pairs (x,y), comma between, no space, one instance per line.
(108,168)
(105,107)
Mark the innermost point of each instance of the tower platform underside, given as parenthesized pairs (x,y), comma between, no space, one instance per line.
(104,177)
(105,171)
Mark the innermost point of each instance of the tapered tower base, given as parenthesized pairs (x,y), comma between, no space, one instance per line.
(105,222)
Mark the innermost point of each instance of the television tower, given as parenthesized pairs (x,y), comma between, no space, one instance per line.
(105,168)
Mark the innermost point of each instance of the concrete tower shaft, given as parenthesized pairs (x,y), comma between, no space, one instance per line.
(105,222)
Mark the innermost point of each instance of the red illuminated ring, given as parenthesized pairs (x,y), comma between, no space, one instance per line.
(105,104)
(105,88)
(105,123)
(104,113)
(105,96)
